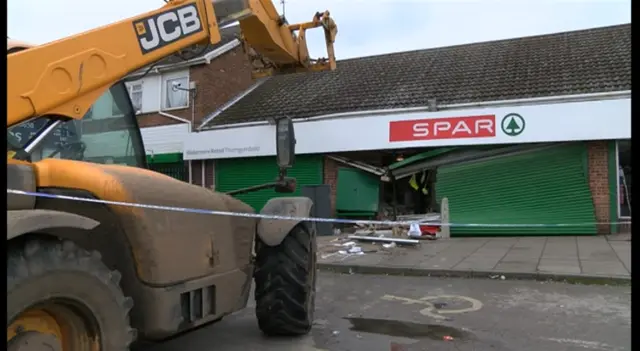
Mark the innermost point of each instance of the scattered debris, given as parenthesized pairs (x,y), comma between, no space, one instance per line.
(447,338)
(377,233)
(414,230)
(385,240)
(344,247)
(362,238)
(349,253)
(348,243)
(324,257)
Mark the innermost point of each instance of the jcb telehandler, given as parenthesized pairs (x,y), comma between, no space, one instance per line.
(94,275)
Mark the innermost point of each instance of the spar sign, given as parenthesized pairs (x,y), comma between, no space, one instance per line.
(564,121)
(483,126)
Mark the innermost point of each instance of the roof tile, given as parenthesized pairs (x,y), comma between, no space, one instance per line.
(578,62)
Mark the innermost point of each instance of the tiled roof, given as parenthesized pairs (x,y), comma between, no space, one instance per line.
(577,62)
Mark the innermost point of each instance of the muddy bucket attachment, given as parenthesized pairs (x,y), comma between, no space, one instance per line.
(273,45)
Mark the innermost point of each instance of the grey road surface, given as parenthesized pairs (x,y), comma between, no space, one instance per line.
(371,313)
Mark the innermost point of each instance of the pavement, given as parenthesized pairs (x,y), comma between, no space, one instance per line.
(596,259)
(394,313)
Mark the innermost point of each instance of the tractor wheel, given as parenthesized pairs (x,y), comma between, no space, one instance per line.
(285,281)
(63,298)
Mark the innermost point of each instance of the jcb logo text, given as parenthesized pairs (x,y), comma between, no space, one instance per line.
(164,28)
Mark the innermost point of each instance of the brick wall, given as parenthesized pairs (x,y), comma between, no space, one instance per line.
(216,83)
(330,177)
(599,182)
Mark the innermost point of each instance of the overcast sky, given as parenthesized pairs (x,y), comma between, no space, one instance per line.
(366,27)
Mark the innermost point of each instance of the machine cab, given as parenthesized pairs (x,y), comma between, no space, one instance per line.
(107,134)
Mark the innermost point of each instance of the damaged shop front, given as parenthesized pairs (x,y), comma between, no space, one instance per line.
(511,148)
(508,186)
(504,170)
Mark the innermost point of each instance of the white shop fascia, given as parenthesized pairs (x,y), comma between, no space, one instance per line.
(601,116)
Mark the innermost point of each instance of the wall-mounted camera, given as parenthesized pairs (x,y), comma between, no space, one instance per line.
(175,86)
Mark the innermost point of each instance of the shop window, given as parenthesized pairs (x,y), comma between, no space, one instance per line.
(135,93)
(176,93)
(623,149)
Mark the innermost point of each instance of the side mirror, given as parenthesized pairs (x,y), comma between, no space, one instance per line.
(285,143)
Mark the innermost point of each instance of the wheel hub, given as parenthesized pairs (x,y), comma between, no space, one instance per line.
(34,341)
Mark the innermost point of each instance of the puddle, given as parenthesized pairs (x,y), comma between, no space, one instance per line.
(407,329)
(439,305)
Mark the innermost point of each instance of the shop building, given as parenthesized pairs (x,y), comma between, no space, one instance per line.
(174,97)
(531,130)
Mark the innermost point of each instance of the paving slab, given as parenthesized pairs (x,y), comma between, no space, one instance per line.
(452,255)
(370,260)
(595,248)
(527,261)
(441,262)
(560,248)
(478,263)
(623,251)
(523,253)
(502,242)
(516,267)
(604,268)
(492,249)
(408,258)
(548,265)
(531,240)
(563,258)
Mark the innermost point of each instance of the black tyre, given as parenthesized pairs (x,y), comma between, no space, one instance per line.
(285,284)
(61,297)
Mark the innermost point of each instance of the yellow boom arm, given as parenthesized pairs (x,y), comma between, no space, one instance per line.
(65,77)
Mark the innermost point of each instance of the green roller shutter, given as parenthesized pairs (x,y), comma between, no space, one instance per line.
(358,193)
(237,173)
(547,186)
(169,164)
(175,170)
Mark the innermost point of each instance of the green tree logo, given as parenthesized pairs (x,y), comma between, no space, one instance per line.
(513,124)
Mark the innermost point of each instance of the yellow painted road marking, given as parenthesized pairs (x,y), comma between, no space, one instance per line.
(431,311)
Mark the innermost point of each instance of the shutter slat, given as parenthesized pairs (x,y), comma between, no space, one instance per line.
(541,187)
(233,174)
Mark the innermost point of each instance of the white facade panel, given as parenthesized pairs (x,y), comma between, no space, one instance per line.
(549,122)
(154,89)
(150,92)
(164,139)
